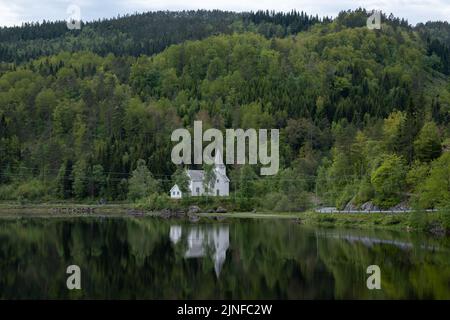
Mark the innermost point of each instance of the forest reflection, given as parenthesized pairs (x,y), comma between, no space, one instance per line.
(148,258)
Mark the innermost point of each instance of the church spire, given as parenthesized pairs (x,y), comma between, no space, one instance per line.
(218,162)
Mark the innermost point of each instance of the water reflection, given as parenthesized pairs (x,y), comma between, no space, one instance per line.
(175,234)
(370,241)
(142,258)
(201,241)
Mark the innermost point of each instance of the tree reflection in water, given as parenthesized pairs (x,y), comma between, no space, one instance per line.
(148,258)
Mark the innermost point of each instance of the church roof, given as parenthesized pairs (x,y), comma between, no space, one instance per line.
(199,175)
(196,175)
(218,160)
(218,173)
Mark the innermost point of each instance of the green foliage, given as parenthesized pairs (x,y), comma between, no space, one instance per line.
(417,174)
(141,184)
(209,179)
(141,34)
(388,181)
(181,179)
(427,146)
(32,190)
(289,192)
(392,129)
(418,220)
(78,110)
(445,219)
(434,192)
(96,181)
(345,196)
(339,175)
(247,179)
(365,192)
(155,201)
(7,191)
(280,202)
(80,179)
(60,182)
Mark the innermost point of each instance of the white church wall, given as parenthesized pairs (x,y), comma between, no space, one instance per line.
(196,188)
(221,188)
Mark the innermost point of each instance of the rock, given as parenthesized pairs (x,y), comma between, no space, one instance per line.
(210,211)
(166,213)
(350,207)
(194,218)
(369,206)
(135,213)
(221,210)
(436,229)
(179,214)
(402,206)
(194,209)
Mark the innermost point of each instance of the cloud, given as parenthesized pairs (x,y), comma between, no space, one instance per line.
(9,13)
(19,11)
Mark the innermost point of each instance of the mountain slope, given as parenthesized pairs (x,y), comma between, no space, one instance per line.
(145,33)
(356,107)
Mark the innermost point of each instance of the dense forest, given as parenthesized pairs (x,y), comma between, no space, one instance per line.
(363,114)
(146,33)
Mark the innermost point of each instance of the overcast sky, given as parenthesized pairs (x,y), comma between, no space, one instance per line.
(15,12)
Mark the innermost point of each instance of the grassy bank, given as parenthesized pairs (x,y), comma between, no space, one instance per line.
(435,222)
(60,209)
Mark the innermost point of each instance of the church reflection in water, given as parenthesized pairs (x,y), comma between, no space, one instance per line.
(201,241)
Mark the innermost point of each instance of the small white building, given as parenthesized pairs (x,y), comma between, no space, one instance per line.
(196,177)
(175,192)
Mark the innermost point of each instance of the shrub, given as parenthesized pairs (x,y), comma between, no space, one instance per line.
(7,192)
(280,202)
(31,190)
(365,192)
(245,204)
(326,219)
(445,219)
(155,202)
(345,196)
(435,191)
(390,221)
(388,181)
(141,182)
(269,201)
(418,220)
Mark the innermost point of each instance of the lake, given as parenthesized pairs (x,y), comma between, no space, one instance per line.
(149,258)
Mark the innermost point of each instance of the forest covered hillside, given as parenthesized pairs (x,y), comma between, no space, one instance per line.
(363,114)
(145,33)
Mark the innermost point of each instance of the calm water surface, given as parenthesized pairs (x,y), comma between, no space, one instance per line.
(238,259)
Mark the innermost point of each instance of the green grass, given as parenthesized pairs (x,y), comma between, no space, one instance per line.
(395,221)
(398,221)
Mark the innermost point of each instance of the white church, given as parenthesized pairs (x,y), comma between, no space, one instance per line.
(196,177)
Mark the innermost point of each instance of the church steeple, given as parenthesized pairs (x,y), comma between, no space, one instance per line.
(218,162)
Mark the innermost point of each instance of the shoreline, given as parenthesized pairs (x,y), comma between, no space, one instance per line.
(389,221)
